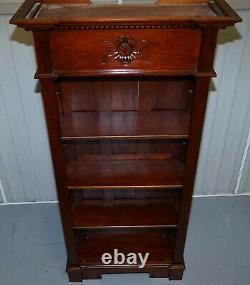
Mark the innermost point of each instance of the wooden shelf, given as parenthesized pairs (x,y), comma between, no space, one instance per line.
(105,174)
(159,245)
(131,124)
(132,213)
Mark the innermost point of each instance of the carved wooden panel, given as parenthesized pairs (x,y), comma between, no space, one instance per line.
(128,50)
(125,49)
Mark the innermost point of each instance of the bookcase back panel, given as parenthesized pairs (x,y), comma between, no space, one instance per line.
(119,196)
(117,164)
(78,197)
(124,149)
(126,95)
(112,208)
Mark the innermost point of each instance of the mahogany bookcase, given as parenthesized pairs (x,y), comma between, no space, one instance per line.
(125,90)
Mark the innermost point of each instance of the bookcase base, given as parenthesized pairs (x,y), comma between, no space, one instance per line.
(172,272)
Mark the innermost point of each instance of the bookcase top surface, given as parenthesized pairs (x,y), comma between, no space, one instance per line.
(54,13)
(123,11)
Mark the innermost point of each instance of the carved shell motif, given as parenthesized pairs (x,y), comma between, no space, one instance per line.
(124,50)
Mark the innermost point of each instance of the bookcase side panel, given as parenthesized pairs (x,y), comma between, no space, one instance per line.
(51,109)
(207,51)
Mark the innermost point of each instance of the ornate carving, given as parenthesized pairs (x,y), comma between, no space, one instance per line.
(124,50)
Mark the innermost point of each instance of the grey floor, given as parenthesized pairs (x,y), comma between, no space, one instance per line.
(217,251)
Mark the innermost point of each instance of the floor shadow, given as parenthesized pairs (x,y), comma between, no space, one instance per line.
(225,36)
(23,37)
(228,35)
(212,87)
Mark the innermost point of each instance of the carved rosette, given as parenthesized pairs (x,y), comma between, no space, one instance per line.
(124,50)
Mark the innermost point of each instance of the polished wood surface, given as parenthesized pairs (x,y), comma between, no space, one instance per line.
(52,113)
(34,13)
(94,12)
(124,149)
(126,214)
(154,124)
(125,94)
(171,49)
(125,91)
(159,244)
(113,173)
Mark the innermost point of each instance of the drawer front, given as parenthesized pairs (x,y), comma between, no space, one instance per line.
(125,50)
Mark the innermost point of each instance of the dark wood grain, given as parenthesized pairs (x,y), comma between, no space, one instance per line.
(172,49)
(123,149)
(126,213)
(158,244)
(60,13)
(52,113)
(123,12)
(198,115)
(124,174)
(155,124)
(125,94)
(126,73)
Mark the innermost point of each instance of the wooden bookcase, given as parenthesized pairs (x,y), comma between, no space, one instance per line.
(125,90)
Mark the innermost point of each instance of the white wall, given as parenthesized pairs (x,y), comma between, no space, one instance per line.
(25,165)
